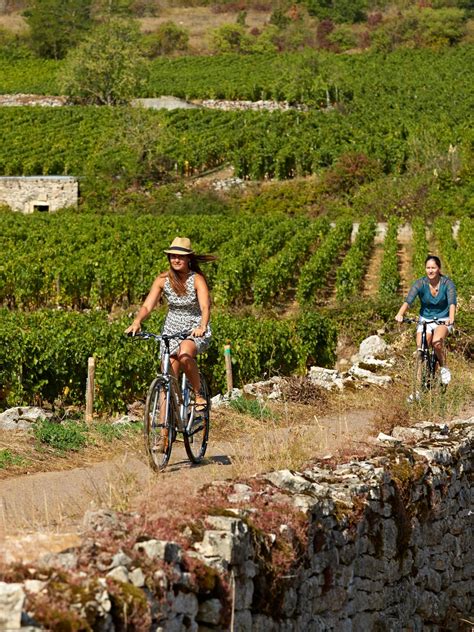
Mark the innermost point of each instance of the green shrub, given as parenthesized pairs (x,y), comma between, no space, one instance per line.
(110,431)
(350,274)
(338,10)
(420,27)
(234,38)
(168,38)
(351,171)
(66,436)
(229,38)
(343,37)
(420,247)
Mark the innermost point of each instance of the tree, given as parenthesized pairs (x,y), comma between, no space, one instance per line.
(57,25)
(338,10)
(113,7)
(168,38)
(107,68)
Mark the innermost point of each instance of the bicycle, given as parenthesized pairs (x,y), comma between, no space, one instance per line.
(425,377)
(169,410)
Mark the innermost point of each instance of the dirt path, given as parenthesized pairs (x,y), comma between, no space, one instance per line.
(43,512)
(404,258)
(370,287)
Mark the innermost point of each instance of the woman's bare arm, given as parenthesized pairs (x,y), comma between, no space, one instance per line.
(149,304)
(204,299)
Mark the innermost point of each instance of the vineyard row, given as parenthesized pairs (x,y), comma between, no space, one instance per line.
(44,354)
(88,261)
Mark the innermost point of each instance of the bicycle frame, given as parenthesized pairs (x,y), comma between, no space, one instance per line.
(177,396)
(427,353)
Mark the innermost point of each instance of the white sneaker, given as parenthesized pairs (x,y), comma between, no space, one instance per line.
(414,397)
(445,374)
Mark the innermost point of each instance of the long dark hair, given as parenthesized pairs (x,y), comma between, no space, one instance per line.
(178,285)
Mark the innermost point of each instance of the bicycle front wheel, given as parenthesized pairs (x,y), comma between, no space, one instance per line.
(158,426)
(422,373)
(196,434)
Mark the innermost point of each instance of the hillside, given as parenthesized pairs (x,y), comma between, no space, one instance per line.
(328,151)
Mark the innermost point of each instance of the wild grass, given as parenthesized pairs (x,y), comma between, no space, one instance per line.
(436,405)
(252,407)
(275,448)
(120,489)
(9,458)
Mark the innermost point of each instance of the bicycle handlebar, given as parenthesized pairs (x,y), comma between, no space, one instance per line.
(419,322)
(146,335)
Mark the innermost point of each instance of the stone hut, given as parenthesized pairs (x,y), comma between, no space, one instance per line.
(38,193)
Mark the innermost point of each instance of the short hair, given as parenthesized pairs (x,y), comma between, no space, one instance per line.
(436,259)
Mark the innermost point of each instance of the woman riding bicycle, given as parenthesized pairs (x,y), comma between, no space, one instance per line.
(185,289)
(437,294)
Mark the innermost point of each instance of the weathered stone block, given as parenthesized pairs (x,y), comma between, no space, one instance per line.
(243,594)
(218,544)
(137,577)
(185,603)
(210,611)
(296,483)
(119,573)
(161,549)
(324,559)
(290,601)
(243,621)
(363,621)
(367,566)
(428,606)
(332,601)
(12,597)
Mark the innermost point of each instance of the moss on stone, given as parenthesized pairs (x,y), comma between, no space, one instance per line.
(66,605)
(130,609)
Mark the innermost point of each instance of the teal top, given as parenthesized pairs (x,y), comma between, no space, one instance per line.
(433,307)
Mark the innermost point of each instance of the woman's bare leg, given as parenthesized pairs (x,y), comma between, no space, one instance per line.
(439,336)
(187,361)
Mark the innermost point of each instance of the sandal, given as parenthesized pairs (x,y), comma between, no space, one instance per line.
(200,408)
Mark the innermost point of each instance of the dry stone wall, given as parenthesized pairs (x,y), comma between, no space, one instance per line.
(378,544)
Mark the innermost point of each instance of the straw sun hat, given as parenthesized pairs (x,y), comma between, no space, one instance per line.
(180,246)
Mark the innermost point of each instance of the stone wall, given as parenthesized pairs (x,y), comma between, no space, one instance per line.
(378,544)
(267,105)
(46,193)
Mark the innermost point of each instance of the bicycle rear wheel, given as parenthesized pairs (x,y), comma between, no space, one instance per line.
(158,425)
(196,434)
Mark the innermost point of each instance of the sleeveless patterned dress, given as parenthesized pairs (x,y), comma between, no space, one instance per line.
(184,313)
